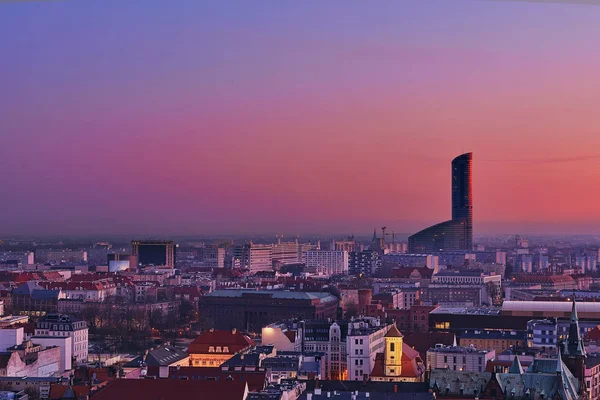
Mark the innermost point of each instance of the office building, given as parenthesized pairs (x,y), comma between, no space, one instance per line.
(327,262)
(410,260)
(213,257)
(253,257)
(157,253)
(363,262)
(286,253)
(60,256)
(457,233)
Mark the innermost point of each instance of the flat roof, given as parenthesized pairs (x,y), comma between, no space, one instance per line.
(276,294)
(557,306)
(467,310)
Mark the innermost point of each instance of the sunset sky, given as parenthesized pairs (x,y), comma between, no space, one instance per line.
(197,117)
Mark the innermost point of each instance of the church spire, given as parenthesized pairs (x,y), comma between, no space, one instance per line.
(515,367)
(374,234)
(574,343)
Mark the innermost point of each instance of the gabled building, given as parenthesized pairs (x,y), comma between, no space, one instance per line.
(398,362)
(213,347)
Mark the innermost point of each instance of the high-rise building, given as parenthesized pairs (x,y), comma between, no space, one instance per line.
(363,262)
(327,262)
(457,233)
(213,257)
(287,252)
(154,252)
(253,257)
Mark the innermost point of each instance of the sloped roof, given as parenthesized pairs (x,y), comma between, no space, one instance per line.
(234,340)
(412,365)
(394,332)
(161,356)
(471,383)
(127,389)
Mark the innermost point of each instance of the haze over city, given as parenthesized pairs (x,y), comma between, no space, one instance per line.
(240,117)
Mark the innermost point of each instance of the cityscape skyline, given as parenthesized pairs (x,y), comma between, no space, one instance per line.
(205,129)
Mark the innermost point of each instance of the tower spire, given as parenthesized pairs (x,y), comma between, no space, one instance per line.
(516,367)
(574,342)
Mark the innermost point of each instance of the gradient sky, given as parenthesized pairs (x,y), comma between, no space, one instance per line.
(187,116)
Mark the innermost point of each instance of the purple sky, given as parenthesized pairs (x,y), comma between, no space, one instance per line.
(187,117)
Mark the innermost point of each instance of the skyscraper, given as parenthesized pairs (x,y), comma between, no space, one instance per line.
(462,194)
(457,233)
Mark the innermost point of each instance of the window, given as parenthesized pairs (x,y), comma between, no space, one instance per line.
(392,346)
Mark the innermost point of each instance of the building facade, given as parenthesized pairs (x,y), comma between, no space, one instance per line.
(54,325)
(158,253)
(327,262)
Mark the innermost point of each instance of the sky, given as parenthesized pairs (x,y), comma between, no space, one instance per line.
(198,117)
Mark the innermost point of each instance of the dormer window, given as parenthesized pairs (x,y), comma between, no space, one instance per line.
(211,349)
(218,349)
(225,349)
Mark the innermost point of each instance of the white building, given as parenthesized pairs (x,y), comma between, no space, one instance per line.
(64,326)
(64,343)
(363,342)
(327,262)
(458,358)
(10,337)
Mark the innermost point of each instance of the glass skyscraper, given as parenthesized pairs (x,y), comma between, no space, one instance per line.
(456,234)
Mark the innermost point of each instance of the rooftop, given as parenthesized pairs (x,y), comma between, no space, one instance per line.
(456,349)
(467,310)
(275,294)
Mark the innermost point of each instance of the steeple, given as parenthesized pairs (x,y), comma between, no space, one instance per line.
(454,344)
(574,343)
(374,235)
(515,367)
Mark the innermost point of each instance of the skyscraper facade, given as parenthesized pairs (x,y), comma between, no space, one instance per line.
(457,233)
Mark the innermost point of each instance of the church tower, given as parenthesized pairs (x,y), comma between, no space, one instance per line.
(573,351)
(393,352)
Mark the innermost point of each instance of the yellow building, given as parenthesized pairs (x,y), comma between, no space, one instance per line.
(212,348)
(399,362)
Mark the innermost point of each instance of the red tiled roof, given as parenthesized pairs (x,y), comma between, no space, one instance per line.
(411,363)
(593,335)
(234,340)
(255,379)
(393,332)
(167,389)
(58,391)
